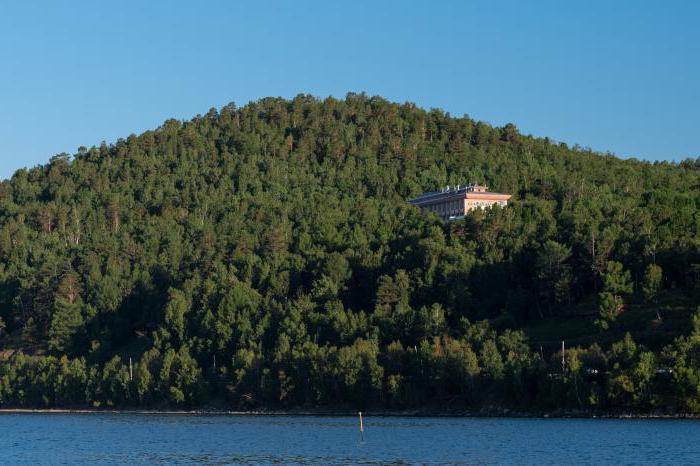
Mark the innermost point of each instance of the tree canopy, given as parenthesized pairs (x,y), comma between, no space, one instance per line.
(266,256)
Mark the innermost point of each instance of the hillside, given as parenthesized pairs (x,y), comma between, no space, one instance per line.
(265,256)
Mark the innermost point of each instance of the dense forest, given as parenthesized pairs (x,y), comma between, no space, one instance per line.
(267,257)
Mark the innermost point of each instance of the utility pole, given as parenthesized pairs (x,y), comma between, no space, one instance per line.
(563,361)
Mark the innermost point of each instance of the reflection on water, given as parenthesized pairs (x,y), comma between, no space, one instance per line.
(191,439)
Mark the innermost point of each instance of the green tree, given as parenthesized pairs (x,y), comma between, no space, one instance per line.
(176,311)
(553,273)
(491,360)
(114,385)
(66,323)
(617,282)
(651,283)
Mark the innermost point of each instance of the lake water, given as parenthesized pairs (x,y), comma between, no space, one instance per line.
(185,439)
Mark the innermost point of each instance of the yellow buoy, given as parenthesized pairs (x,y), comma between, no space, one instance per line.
(362,431)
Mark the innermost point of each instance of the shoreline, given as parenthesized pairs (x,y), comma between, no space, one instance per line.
(348,413)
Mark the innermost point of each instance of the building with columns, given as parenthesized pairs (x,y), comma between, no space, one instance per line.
(453,202)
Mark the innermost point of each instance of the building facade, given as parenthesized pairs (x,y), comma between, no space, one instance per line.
(453,202)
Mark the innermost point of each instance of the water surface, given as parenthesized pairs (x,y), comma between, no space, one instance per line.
(190,439)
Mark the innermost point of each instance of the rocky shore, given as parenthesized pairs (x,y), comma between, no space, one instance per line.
(368,413)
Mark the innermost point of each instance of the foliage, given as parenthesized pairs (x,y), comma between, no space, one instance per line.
(266,256)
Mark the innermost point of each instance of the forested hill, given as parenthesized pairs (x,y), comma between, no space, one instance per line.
(266,256)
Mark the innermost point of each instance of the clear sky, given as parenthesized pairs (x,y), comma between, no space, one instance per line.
(619,76)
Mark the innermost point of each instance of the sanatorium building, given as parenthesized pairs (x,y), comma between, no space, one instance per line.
(453,202)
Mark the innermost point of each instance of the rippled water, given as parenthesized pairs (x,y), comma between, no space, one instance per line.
(178,439)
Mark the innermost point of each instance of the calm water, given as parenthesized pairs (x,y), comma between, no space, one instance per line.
(175,439)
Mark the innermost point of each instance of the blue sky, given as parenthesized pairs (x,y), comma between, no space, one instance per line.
(619,76)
